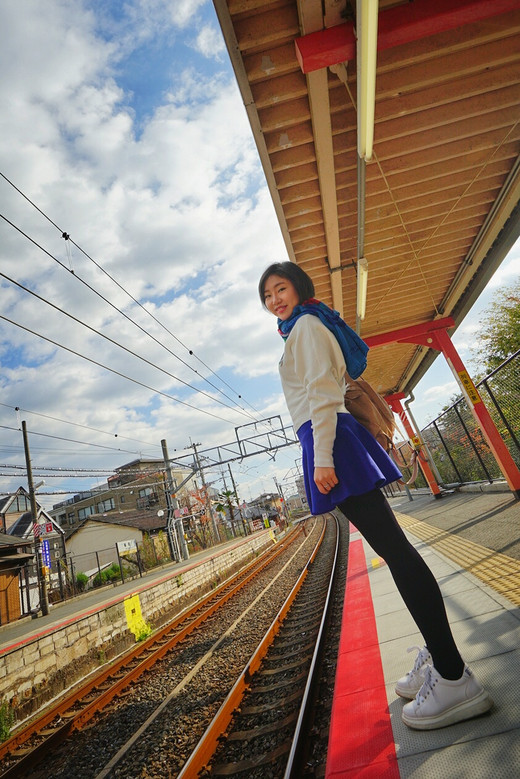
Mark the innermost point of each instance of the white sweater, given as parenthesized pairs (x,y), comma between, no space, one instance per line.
(312,371)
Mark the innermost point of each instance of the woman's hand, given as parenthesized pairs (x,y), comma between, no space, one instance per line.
(325,479)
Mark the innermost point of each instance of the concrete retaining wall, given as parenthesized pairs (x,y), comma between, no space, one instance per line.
(41,666)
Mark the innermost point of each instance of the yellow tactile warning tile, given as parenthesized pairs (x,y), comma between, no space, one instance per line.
(498,571)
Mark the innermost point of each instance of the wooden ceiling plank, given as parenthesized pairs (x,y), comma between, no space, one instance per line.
(269,29)
(456,40)
(381,204)
(400,179)
(287,158)
(290,138)
(422,194)
(483,146)
(274,62)
(291,176)
(279,90)
(293,114)
(447,68)
(488,84)
(469,128)
(485,106)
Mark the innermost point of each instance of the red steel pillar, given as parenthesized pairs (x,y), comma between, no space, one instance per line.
(441,340)
(394,401)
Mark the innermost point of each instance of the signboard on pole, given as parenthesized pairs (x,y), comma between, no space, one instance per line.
(46,554)
(126,547)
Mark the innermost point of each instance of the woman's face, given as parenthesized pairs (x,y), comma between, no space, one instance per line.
(280,296)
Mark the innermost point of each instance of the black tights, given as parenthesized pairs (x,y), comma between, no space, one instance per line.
(372,516)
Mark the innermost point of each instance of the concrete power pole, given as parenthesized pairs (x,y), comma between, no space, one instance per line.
(244,525)
(175,528)
(210,507)
(42,581)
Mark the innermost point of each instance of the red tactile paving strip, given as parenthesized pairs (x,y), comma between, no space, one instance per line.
(361,742)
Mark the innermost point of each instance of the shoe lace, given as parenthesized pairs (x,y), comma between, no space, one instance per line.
(422,656)
(427,686)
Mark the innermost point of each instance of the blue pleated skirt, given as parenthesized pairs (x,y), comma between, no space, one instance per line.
(361,464)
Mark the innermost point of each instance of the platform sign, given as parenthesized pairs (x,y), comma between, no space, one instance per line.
(46,554)
(126,547)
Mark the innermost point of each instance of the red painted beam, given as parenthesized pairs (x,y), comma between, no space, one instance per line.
(407,334)
(397,25)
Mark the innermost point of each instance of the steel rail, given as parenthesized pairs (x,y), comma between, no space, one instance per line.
(209,742)
(294,768)
(65,717)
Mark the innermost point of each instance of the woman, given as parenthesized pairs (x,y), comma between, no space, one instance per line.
(345,467)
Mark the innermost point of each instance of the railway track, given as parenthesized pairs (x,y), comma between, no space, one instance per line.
(263,727)
(30,745)
(158,722)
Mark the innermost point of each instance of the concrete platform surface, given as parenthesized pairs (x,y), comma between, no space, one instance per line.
(486,625)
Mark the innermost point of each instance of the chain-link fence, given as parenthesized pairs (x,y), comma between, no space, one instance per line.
(456,443)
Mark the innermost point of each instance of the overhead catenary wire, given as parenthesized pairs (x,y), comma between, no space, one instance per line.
(113,370)
(120,346)
(67,238)
(112,305)
(72,440)
(77,424)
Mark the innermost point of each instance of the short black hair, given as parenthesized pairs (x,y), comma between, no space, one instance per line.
(303,283)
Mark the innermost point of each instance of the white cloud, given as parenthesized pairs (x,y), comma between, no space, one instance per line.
(175,209)
(209,42)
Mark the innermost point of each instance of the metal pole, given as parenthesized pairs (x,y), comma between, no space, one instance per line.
(170,524)
(42,581)
(238,502)
(210,507)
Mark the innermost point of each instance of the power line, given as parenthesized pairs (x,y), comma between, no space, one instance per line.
(76,424)
(72,440)
(116,343)
(67,237)
(108,302)
(113,370)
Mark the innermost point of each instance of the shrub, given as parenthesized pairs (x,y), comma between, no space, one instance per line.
(6,720)
(81,581)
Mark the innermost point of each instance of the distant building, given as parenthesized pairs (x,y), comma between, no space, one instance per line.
(136,487)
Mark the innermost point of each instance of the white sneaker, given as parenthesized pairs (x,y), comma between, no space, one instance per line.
(442,702)
(408,686)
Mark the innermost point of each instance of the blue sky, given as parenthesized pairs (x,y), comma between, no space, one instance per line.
(123,124)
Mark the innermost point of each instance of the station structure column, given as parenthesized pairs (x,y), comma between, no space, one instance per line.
(434,335)
(394,401)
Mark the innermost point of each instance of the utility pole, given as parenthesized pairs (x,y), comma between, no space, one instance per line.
(244,525)
(175,528)
(42,581)
(210,507)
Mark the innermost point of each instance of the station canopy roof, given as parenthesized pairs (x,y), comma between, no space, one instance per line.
(439,210)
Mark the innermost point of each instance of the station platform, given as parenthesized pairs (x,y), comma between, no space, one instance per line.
(471,543)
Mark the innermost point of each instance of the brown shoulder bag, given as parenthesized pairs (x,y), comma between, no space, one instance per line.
(370,410)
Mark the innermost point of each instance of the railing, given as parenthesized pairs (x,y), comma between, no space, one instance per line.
(456,443)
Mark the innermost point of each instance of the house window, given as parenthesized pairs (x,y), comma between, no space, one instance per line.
(85,512)
(105,505)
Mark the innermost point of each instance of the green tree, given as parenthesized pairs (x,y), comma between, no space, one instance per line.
(226,498)
(499,336)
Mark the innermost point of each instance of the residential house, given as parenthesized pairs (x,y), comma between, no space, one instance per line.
(15,554)
(137,486)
